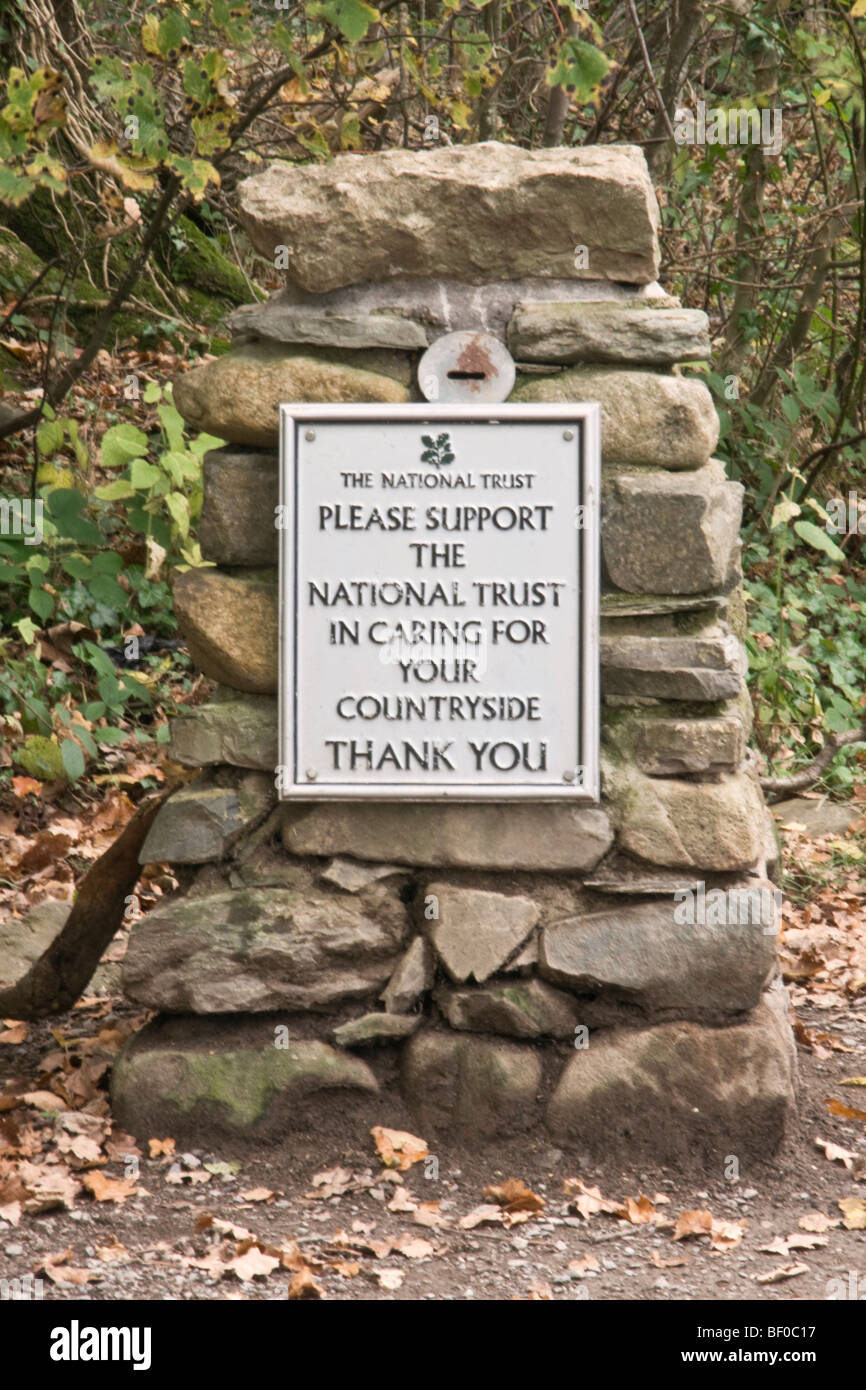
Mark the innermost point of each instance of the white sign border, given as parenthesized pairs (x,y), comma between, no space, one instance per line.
(585,413)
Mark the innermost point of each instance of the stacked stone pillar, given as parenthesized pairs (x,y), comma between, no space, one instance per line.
(607,974)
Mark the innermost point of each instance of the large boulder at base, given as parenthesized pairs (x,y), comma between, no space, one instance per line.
(237,397)
(230,623)
(681,1092)
(539,837)
(646,418)
(461,210)
(479,1087)
(224,1078)
(256,949)
(717,826)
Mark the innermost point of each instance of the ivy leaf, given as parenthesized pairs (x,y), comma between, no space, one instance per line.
(143,474)
(195,174)
(120,444)
(580,68)
(352,17)
(818,539)
(73,759)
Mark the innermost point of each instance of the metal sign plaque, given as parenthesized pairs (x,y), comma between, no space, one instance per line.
(439,602)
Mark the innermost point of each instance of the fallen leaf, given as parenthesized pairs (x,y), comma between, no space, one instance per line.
(109,1189)
(853,1081)
(43,1100)
(347,1269)
(47,1186)
(478,1216)
(853,1213)
(391,1279)
(693,1223)
(817,1221)
(403,1200)
(513,1195)
(11,1212)
(26,786)
(258,1194)
(846,1112)
(835,1153)
(539,1293)
(577,1268)
(587,1201)
(252,1264)
(397,1148)
(428,1214)
(413,1247)
(776,1276)
(161,1148)
(637,1212)
(15,1032)
(726,1234)
(305,1285)
(113,1253)
(664,1262)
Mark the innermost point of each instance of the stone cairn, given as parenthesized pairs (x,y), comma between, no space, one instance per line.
(576,974)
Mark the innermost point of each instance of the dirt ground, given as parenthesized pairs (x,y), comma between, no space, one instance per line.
(87,1214)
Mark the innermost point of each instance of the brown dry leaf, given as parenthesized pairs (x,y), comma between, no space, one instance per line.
(580,1267)
(47,1186)
(26,786)
(15,1032)
(259,1194)
(513,1195)
(637,1212)
(46,849)
(413,1247)
(161,1148)
(853,1081)
(846,1112)
(588,1200)
(836,1154)
(539,1293)
(68,1274)
(115,1253)
(397,1148)
(693,1223)
(428,1214)
(853,1213)
(403,1200)
(391,1279)
(82,1151)
(109,1189)
(207,1221)
(42,1100)
(11,1212)
(817,1221)
(668,1262)
(776,1276)
(252,1264)
(121,1146)
(726,1234)
(304,1284)
(345,1268)
(777,1246)
(333,1182)
(478,1216)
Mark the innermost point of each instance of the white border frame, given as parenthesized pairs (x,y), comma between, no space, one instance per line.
(588,414)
